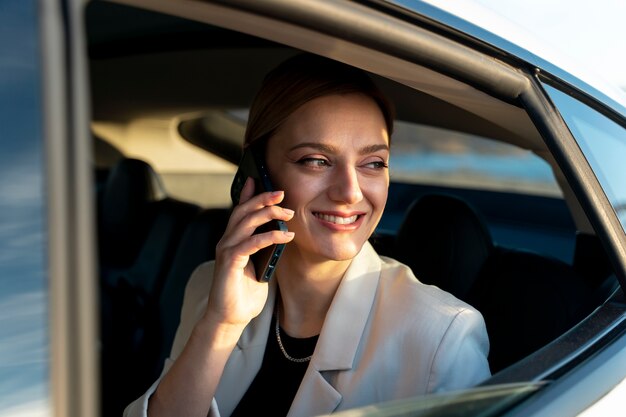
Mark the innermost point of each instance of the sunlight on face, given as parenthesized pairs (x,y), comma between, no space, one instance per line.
(330,157)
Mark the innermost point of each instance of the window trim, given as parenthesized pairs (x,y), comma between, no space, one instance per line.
(73,323)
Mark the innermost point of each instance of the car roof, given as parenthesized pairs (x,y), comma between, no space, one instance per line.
(487,27)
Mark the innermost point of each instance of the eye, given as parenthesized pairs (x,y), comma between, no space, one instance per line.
(377,165)
(314,162)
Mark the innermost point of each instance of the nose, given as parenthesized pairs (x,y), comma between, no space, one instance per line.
(345,187)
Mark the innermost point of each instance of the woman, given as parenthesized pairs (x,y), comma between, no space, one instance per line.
(337,326)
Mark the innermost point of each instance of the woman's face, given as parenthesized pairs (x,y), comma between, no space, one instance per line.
(330,157)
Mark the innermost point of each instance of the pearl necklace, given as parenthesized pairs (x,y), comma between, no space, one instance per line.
(280,343)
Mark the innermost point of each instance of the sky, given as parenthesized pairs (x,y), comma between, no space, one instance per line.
(589,32)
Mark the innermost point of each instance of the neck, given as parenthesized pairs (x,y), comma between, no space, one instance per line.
(306,292)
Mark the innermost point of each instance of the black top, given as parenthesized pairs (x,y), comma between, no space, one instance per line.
(275,385)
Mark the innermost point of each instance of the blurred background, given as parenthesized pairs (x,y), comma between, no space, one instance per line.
(590,32)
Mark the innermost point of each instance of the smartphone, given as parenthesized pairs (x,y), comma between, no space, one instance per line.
(252,164)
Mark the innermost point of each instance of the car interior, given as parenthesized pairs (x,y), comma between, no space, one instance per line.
(169,96)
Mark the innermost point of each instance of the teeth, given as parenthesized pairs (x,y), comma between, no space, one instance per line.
(337,219)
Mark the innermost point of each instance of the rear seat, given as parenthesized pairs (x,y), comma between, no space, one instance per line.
(196,246)
(527,299)
(139,229)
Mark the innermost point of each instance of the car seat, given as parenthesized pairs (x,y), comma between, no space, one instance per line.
(444,241)
(197,245)
(526,299)
(139,228)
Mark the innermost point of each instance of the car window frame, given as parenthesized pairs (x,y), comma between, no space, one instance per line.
(524,87)
(570,158)
(74,374)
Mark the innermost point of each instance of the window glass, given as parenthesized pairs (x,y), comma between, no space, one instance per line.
(23,287)
(604,144)
(187,172)
(422,154)
(436,156)
(510,186)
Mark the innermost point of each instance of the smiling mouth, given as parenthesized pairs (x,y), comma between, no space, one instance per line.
(336,219)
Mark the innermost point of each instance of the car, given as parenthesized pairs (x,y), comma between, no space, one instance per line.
(122,124)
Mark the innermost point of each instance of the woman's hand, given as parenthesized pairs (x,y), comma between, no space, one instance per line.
(236,296)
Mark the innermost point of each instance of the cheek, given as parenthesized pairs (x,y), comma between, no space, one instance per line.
(299,191)
(376,192)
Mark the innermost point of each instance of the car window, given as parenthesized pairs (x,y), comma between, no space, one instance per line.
(497,177)
(510,186)
(187,172)
(431,155)
(604,144)
(24,347)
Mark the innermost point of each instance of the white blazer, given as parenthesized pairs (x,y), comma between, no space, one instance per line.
(386,336)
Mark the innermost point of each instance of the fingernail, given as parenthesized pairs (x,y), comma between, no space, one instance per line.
(289,234)
(288,211)
(276,193)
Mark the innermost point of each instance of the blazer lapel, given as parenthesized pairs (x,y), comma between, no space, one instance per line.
(340,337)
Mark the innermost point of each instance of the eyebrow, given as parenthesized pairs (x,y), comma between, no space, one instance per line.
(331,149)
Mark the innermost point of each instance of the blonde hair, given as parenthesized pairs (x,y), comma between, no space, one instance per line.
(301,79)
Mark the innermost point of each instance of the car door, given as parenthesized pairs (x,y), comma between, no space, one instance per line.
(47,308)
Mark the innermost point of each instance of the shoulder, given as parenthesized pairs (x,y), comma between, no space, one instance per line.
(197,292)
(399,282)
(200,281)
(424,311)
(449,332)
(194,304)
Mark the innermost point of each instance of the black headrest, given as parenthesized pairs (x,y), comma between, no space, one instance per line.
(445,241)
(124,211)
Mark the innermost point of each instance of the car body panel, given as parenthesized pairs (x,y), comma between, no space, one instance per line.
(475,20)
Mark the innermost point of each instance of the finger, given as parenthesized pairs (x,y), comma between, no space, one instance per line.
(266,215)
(254,204)
(239,255)
(267,198)
(248,224)
(255,243)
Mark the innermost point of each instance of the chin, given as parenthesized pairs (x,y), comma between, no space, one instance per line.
(343,252)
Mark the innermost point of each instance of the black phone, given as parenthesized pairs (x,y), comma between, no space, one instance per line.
(252,164)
